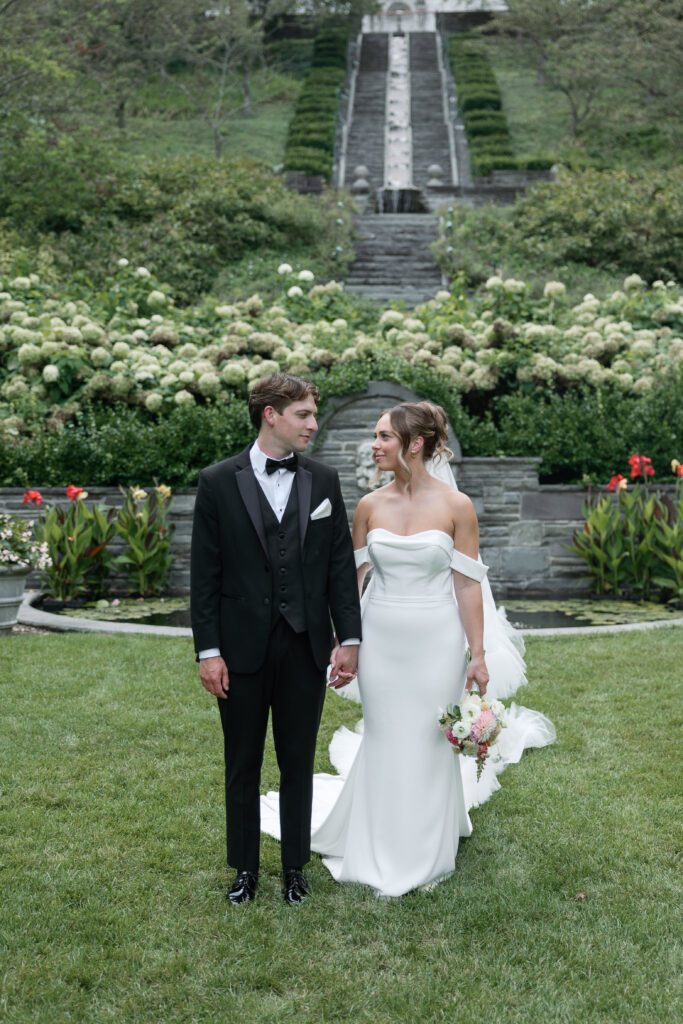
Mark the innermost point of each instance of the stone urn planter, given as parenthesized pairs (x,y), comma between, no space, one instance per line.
(12,583)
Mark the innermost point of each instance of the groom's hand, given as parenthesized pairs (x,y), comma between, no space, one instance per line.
(213,673)
(343,665)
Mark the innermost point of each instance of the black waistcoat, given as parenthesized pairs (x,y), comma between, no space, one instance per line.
(284,551)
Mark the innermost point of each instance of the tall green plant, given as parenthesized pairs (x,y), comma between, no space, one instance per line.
(143,525)
(77,538)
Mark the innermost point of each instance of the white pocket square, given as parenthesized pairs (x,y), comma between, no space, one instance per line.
(323,510)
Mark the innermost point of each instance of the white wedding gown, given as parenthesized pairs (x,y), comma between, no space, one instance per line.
(393,817)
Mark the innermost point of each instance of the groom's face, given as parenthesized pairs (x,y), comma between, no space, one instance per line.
(293,428)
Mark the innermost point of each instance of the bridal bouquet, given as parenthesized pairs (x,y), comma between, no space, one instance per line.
(473,726)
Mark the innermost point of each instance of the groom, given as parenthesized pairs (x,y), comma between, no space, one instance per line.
(271,561)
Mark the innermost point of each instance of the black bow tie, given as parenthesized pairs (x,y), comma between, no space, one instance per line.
(289,463)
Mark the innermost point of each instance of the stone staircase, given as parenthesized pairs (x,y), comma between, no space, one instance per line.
(430,134)
(394,259)
(365,143)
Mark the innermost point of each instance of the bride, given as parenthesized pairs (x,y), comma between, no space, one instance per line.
(393,816)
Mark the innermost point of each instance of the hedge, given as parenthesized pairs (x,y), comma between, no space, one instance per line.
(312,130)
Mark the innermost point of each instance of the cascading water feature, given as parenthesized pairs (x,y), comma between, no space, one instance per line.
(398,194)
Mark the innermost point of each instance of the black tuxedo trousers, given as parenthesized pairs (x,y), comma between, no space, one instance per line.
(291,687)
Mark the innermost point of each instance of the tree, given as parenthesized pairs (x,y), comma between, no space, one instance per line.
(36,63)
(586,48)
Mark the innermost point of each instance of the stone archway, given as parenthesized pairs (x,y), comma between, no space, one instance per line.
(345,433)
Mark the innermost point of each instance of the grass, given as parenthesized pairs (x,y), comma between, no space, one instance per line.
(618,134)
(563,906)
(170,117)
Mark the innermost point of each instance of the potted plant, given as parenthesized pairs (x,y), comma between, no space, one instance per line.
(20,552)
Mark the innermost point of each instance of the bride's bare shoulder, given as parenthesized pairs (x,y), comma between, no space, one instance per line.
(460,505)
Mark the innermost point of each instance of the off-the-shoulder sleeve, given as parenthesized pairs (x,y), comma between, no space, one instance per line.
(468,566)
(361,556)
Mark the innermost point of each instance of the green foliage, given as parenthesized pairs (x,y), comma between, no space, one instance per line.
(610,221)
(582,435)
(77,538)
(310,142)
(187,219)
(633,546)
(142,523)
(106,446)
(480,102)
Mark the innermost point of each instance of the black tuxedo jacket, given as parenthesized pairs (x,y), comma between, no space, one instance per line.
(230,581)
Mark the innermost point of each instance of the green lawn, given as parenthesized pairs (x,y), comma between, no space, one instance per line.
(562,909)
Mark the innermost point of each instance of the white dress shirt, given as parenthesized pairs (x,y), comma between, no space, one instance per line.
(277,488)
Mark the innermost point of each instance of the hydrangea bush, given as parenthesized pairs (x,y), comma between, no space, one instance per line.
(130,345)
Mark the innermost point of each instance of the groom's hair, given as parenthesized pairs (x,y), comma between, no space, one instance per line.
(278,390)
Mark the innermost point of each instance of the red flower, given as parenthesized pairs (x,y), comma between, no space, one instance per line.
(72,492)
(640,465)
(33,498)
(617,483)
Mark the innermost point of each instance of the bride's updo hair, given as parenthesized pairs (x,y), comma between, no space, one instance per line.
(421,419)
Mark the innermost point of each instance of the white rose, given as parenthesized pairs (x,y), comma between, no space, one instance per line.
(284,268)
(460,730)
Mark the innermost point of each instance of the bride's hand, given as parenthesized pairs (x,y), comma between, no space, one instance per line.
(478,673)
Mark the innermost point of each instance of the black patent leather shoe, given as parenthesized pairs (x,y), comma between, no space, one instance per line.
(295,888)
(243,889)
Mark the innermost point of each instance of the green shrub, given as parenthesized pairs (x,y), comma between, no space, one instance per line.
(310,142)
(186,219)
(610,222)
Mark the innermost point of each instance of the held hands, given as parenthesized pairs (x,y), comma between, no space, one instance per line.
(343,665)
(478,673)
(213,673)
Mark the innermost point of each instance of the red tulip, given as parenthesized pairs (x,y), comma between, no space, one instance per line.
(33,498)
(72,492)
(617,483)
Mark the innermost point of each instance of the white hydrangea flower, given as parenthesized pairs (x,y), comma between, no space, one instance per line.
(154,401)
(493,283)
(29,355)
(100,356)
(340,323)
(633,282)
(209,384)
(50,373)
(306,275)
(442,296)
(183,397)
(156,299)
(186,376)
(20,284)
(142,272)
(513,287)
(233,374)
(554,289)
(294,292)
(120,349)
(284,268)
(123,262)
(226,311)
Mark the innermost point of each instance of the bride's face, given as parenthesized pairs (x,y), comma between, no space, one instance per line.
(386,447)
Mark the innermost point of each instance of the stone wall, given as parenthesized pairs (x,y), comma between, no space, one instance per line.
(525,527)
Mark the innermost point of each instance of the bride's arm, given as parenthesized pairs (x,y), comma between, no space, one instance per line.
(468,573)
(360,539)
